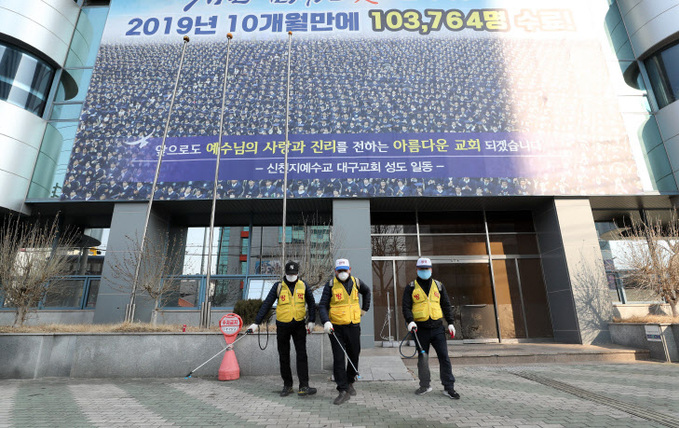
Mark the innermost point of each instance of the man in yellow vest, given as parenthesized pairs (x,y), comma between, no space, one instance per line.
(341,314)
(293,297)
(425,304)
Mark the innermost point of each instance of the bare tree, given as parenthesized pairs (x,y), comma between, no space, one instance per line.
(313,246)
(159,274)
(650,252)
(33,255)
(387,242)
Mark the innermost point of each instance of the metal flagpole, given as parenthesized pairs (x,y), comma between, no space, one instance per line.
(287,145)
(206,306)
(129,309)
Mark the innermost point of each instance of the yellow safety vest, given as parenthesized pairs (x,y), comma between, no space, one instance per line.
(425,307)
(344,309)
(291,306)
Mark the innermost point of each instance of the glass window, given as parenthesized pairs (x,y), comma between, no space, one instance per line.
(183,296)
(226,251)
(394,245)
(634,293)
(91,25)
(513,244)
(97,17)
(455,245)
(265,250)
(94,292)
(393,222)
(310,245)
(226,292)
(510,221)
(25,80)
(538,320)
(622,255)
(451,222)
(82,77)
(194,261)
(508,298)
(383,288)
(259,288)
(66,293)
(663,71)
(66,111)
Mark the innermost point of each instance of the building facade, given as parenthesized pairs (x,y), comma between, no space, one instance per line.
(505,143)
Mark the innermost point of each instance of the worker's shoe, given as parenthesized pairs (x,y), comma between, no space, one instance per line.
(351,390)
(287,390)
(451,393)
(423,390)
(342,398)
(306,390)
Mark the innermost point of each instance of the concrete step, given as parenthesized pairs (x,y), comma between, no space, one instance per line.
(509,354)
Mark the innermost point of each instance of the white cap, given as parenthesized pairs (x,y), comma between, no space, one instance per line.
(342,264)
(423,262)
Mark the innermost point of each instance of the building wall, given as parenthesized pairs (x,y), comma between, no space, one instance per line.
(44,27)
(650,26)
(20,136)
(649,23)
(127,229)
(351,221)
(574,273)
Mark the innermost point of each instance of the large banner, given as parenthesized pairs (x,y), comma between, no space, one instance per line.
(387,98)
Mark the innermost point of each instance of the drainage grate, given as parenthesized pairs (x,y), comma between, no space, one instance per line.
(642,412)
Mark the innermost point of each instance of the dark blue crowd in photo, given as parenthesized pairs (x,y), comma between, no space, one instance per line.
(354,86)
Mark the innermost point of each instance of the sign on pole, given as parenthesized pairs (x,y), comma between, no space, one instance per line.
(230,325)
(653,333)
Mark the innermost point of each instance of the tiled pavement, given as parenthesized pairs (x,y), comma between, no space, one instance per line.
(492,396)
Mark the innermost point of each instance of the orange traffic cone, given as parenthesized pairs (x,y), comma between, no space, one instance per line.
(229,370)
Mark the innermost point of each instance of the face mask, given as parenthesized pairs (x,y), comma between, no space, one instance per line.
(424,274)
(343,276)
(291,278)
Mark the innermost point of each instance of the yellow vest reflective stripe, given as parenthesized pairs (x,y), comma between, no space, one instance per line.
(344,308)
(425,307)
(291,305)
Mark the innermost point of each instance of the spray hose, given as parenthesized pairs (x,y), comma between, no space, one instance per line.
(412,332)
(259,338)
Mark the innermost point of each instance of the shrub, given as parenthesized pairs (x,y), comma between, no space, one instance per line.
(247,310)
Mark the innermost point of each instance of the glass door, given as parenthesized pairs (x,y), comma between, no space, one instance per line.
(390,278)
(468,285)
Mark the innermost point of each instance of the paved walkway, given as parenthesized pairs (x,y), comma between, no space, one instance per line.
(493,396)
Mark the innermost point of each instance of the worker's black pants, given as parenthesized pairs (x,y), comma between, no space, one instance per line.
(436,337)
(297,331)
(350,338)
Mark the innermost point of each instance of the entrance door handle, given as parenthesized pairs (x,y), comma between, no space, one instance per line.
(476,306)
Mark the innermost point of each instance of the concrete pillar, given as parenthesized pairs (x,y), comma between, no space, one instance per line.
(575,278)
(351,227)
(114,291)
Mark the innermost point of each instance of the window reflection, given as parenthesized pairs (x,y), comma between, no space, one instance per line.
(226,292)
(25,80)
(228,247)
(662,72)
(615,249)
(65,293)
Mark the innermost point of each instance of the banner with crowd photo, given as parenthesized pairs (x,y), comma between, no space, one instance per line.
(387,98)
